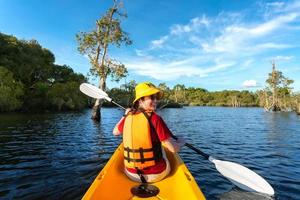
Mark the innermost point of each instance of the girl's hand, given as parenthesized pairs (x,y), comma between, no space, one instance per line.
(127,111)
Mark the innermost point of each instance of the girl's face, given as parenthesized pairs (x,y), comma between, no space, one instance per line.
(149,103)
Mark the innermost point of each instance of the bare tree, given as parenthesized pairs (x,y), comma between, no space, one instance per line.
(95,45)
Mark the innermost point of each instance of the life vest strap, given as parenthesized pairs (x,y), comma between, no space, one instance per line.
(156,149)
(138,150)
(142,154)
(140,173)
(139,160)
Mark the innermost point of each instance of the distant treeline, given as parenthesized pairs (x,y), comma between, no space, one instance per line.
(286,99)
(30,81)
(190,96)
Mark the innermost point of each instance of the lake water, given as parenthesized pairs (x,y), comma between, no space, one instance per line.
(57,156)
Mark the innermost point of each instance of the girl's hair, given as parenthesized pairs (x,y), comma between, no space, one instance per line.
(136,106)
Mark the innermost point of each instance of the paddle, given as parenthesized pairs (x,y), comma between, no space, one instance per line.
(97,93)
(239,175)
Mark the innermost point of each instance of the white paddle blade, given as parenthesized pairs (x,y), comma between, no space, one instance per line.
(243,177)
(93,91)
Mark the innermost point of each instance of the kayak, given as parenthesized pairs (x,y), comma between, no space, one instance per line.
(112,183)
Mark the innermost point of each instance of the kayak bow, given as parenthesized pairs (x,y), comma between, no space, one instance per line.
(112,183)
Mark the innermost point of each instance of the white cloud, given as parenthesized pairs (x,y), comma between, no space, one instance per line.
(158,43)
(193,25)
(250,83)
(139,52)
(271,45)
(235,38)
(273,24)
(197,21)
(176,69)
(282,58)
(273,7)
(278,4)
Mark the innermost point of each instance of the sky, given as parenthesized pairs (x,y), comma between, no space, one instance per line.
(212,44)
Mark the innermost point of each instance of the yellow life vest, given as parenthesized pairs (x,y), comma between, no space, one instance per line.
(139,152)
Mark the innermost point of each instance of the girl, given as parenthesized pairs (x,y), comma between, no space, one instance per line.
(144,132)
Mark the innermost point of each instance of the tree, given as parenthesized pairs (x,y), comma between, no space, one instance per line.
(27,60)
(165,89)
(63,74)
(10,91)
(95,45)
(278,84)
(179,93)
(165,101)
(130,86)
(296,103)
(66,96)
(129,92)
(31,75)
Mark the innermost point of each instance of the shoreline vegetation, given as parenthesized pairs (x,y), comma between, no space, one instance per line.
(31,82)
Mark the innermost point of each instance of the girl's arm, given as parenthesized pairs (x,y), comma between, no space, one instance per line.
(173,145)
(116,130)
(165,135)
(119,126)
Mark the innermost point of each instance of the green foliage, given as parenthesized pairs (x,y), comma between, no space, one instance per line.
(10,91)
(35,76)
(278,91)
(278,82)
(63,74)
(66,96)
(36,97)
(166,91)
(27,60)
(122,96)
(129,87)
(296,103)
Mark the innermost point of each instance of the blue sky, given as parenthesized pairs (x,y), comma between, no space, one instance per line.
(212,44)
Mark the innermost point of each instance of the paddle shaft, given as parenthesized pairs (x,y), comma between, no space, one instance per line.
(112,101)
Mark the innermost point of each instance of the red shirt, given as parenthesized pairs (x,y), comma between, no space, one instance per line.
(163,133)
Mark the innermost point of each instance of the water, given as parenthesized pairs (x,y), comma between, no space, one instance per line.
(57,156)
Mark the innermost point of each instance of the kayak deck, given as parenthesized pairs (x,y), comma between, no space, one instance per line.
(112,183)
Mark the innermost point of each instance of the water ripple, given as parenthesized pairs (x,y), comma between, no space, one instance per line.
(57,156)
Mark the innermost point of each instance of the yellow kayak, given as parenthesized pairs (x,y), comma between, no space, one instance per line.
(112,183)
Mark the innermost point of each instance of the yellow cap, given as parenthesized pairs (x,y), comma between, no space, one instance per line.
(146,89)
